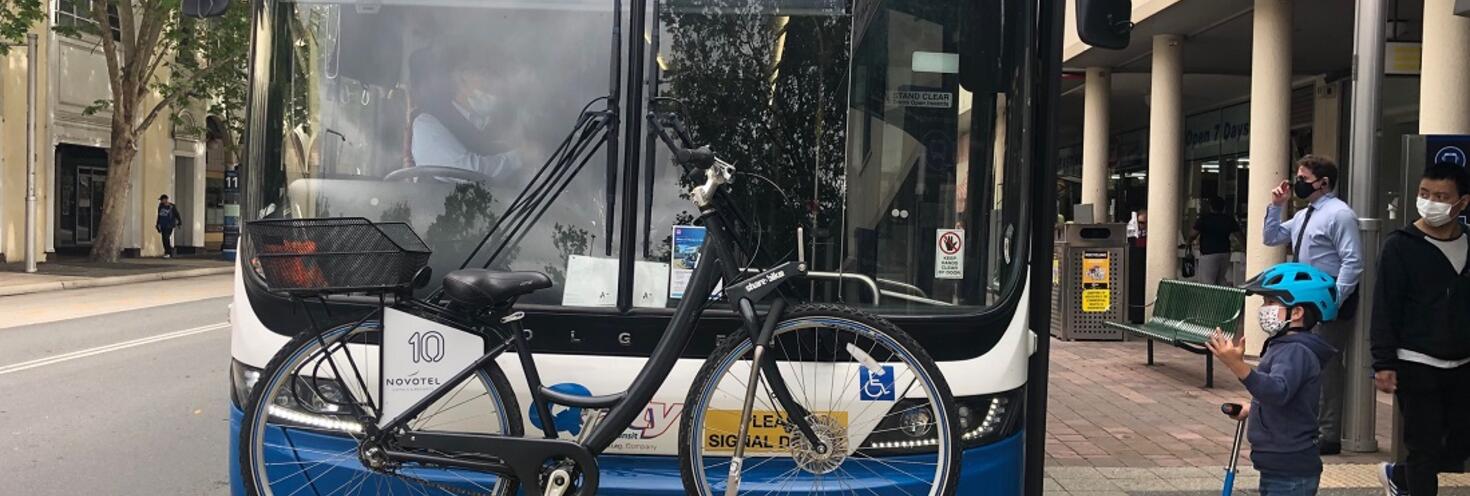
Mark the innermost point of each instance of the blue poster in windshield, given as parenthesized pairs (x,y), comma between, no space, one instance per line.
(685,257)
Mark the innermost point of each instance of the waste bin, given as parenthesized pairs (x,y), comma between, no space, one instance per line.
(1089,281)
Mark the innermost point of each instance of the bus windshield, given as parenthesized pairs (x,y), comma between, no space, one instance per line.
(886,132)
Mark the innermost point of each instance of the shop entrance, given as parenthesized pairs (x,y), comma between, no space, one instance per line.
(81,178)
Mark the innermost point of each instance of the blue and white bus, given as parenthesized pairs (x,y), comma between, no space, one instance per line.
(900,147)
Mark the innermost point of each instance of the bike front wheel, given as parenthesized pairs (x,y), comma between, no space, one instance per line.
(884,415)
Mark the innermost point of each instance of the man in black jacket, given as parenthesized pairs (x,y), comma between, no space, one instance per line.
(1421,333)
(168,219)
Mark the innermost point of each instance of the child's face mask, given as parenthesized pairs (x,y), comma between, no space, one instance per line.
(1273,319)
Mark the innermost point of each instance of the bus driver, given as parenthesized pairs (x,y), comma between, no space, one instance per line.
(455,113)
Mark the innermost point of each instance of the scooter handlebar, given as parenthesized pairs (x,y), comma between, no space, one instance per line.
(1231,409)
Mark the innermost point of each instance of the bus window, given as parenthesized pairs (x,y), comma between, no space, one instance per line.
(441,113)
(851,120)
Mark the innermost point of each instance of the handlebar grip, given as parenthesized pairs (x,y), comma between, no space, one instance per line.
(1231,409)
(700,157)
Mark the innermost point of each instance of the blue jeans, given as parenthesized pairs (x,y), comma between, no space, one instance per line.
(1279,484)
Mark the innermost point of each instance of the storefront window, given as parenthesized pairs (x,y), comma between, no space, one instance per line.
(1216,148)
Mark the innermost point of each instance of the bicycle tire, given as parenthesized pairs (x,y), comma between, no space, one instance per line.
(700,396)
(490,376)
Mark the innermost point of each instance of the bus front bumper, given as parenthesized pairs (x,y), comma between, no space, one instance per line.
(993,469)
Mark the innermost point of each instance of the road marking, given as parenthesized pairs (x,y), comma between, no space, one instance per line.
(66,357)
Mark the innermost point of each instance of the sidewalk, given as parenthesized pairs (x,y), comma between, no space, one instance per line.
(1117,426)
(64,272)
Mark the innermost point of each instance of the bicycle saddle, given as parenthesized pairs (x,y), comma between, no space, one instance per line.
(481,287)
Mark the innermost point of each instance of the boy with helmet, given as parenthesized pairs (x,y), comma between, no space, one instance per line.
(1285,387)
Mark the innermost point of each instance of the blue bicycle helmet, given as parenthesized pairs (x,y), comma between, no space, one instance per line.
(1297,284)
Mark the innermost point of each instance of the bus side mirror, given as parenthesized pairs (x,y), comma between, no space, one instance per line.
(1105,23)
(205,8)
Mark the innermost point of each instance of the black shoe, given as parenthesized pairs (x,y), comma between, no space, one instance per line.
(1330,449)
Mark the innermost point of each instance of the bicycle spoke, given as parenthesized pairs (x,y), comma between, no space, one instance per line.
(890,467)
(335,458)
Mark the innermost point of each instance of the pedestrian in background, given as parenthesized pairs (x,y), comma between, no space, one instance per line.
(1324,235)
(1421,333)
(168,219)
(1138,228)
(1215,231)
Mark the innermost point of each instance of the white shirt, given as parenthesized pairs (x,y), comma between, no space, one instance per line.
(1455,251)
(435,144)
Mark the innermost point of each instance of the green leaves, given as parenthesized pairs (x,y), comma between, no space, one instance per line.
(16,19)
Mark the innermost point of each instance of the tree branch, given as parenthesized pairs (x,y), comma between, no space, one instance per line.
(109,48)
(154,22)
(128,28)
(182,90)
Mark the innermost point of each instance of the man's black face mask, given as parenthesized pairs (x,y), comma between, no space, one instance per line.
(1303,188)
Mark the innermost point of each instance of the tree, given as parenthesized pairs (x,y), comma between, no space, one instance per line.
(157,62)
(775,108)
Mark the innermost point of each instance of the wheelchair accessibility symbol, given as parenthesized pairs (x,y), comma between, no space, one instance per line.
(876,387)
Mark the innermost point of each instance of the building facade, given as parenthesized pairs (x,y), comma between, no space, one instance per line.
(1218,98)
(72,148)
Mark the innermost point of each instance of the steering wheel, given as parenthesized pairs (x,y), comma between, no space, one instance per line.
(437,172)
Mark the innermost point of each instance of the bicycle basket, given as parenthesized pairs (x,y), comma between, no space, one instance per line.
(334,255)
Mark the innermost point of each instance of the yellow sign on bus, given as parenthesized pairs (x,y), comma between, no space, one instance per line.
(766,434)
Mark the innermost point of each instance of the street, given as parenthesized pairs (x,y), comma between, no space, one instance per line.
(111,398)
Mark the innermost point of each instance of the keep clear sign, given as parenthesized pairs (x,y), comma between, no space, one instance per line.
(1096,295)
(949,251)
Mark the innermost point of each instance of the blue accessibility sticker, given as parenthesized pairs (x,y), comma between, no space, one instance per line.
(875,387)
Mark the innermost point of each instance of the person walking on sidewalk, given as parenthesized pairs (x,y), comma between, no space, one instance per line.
(1215,230)
(168,219)
(1323,235)
(1282,414)
(1421,333)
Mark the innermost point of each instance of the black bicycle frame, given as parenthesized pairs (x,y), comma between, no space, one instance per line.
(521,457)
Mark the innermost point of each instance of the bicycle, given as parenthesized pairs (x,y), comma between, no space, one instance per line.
(810,398)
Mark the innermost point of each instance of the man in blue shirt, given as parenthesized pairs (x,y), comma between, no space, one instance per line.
(1323,235)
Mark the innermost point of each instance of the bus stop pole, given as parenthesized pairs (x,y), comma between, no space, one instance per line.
(31,67)
(1359,396)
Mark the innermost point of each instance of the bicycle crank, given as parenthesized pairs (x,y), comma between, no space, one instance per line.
(559,482)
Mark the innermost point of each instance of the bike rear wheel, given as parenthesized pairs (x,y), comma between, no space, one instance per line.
(308,438)
(875,398)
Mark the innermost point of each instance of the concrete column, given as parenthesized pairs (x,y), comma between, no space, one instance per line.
(1444,75)
(1165,161)
(1095,141)
(1270,149)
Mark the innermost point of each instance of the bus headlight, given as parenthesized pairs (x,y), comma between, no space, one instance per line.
(310,402)
(983,420)
(242,380)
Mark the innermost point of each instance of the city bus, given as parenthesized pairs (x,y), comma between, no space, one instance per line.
(899,147)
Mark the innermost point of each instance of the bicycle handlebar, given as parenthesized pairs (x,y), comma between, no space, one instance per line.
(685,153)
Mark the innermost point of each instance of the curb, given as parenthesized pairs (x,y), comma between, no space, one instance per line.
(98,282)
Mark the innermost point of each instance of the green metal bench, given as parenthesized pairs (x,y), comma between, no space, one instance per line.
(1185,314)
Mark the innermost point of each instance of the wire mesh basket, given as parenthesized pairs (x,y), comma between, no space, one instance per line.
(334,255)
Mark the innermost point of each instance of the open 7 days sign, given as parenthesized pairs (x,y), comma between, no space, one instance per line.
(418,356)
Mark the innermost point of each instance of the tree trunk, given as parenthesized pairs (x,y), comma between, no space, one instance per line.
(108,245)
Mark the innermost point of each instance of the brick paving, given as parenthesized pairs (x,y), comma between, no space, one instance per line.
(1118,426)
